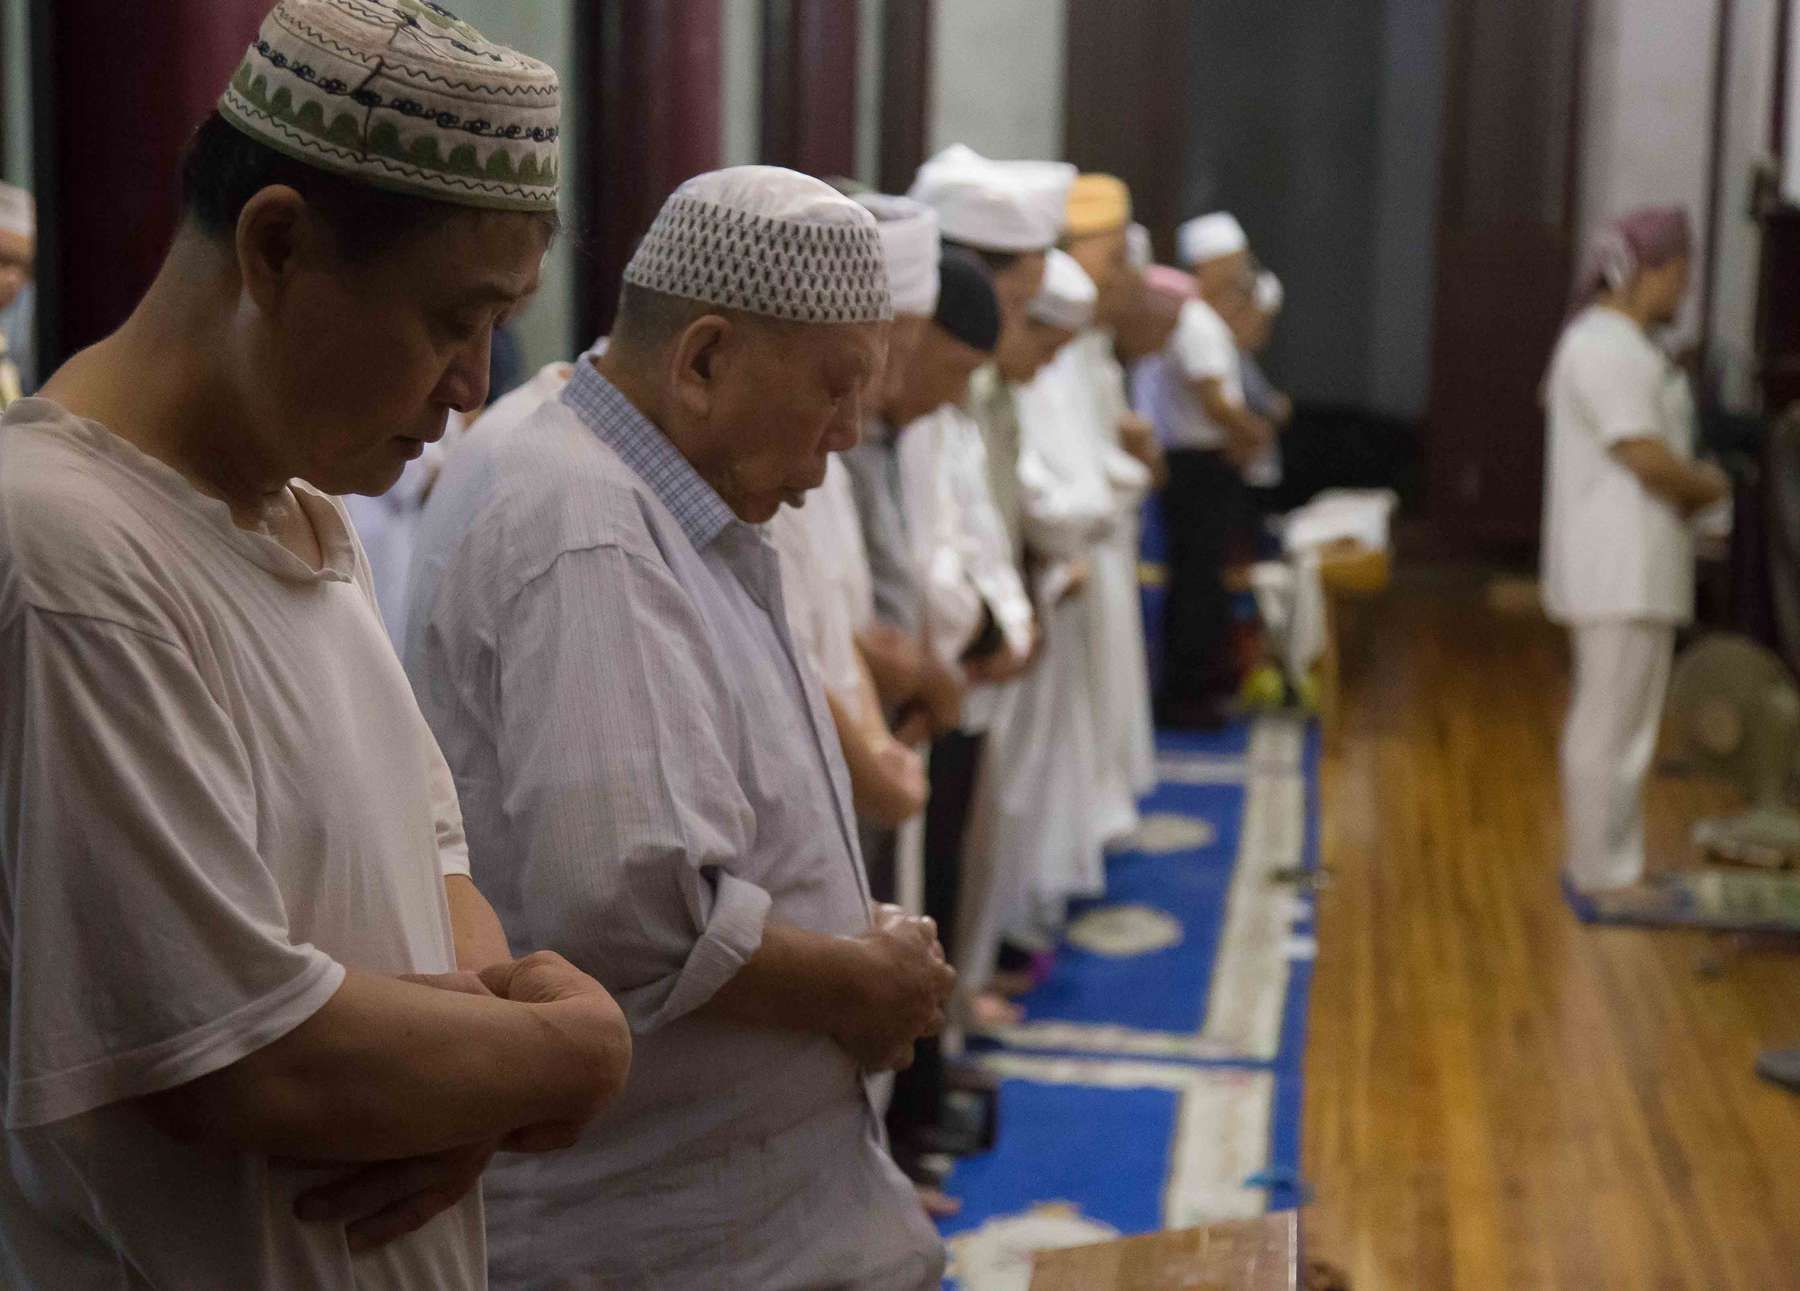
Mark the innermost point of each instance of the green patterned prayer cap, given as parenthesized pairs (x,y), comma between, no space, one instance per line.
(403,95)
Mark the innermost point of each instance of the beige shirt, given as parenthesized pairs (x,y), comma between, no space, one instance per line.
(216,791)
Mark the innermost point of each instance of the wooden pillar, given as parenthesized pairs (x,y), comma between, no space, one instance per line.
(1125,107)
(118,89)
(906,51)
(809,85)
(651,72)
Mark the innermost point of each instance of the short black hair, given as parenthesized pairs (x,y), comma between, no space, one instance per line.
(996,261)
(223,168)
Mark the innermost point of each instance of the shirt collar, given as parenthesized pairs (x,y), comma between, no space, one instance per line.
(695,504)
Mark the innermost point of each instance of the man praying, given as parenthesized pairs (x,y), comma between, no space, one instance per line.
(235,885)
(649,771)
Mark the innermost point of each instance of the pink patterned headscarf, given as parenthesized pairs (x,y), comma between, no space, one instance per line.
(1647,238)
(1171,281)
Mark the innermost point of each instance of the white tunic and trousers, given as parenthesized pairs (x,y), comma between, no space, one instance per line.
(1618,571)
(650,774)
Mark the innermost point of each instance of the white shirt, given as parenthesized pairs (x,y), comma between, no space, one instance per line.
(1201,348)
(825,580)
(961,550)
(216,791)
(1612,549)
(650,774)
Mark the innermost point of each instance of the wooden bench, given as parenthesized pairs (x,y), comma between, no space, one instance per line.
(1248,1255)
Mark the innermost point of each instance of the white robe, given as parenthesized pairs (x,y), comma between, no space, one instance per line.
(1124,724)
(1033,841)
(961,552)
(1075,444)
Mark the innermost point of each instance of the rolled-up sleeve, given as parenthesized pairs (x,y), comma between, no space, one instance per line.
(615,732)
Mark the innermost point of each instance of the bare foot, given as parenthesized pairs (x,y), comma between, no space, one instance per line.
(938,1203)
(1011,984)
(991,1010)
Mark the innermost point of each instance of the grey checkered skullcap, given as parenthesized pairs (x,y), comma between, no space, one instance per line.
(767,241)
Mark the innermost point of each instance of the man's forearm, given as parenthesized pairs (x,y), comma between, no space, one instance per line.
(1683,484)
(389,1069)
(797,980)
(480,939)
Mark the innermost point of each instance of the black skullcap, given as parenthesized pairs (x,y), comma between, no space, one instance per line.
(967,307)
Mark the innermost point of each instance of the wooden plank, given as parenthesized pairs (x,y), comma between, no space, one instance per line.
(1249,1255)
(1496,1096)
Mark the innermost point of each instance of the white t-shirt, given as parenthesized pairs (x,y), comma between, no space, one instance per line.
(1612,549)
(216,791)
(1201,348)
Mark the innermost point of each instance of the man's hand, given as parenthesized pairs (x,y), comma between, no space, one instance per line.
(1003,665)
(1711,487)
(903,987)
(1247,436)
(383,1202)
(895,660)
(941,694)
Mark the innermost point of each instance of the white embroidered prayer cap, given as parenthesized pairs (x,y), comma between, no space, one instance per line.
(768,241)
(1068,296)
(1010,207)
(909,241)
(1269,293)
(404,95)
(1210,237)
(18,212)
(1138,249)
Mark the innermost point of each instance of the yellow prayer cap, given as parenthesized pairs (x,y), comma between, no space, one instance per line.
(1097,204)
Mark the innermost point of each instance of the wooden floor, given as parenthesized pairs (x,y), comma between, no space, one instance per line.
(1496,1096)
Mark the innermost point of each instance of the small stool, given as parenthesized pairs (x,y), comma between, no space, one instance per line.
(1348,572)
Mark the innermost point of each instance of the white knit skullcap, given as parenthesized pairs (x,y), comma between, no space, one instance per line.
(1270,294)
(1138,249)
(18,212)
(768,241)
(1068,296)
(1211,236)
(909,240)
(1001,206)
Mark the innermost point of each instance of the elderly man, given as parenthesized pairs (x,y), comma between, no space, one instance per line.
(1254,328)
(1211,435)
(234,871)
(1618,554)
(1034,821)
(941,606)
(825,561)
(1097,237)
(18,254)
(649,771)
(1009,213)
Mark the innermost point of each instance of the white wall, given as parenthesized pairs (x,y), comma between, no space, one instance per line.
(1648,111)
(544,29)
(998,77)
(740,102)
(16,110)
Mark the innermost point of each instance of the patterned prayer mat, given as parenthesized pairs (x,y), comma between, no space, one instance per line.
(1155,1080)
(1720,900)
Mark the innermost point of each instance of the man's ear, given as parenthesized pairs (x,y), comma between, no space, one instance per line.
(275,234)
(696,360)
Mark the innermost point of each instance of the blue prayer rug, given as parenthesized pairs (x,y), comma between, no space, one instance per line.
(1156,1079)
